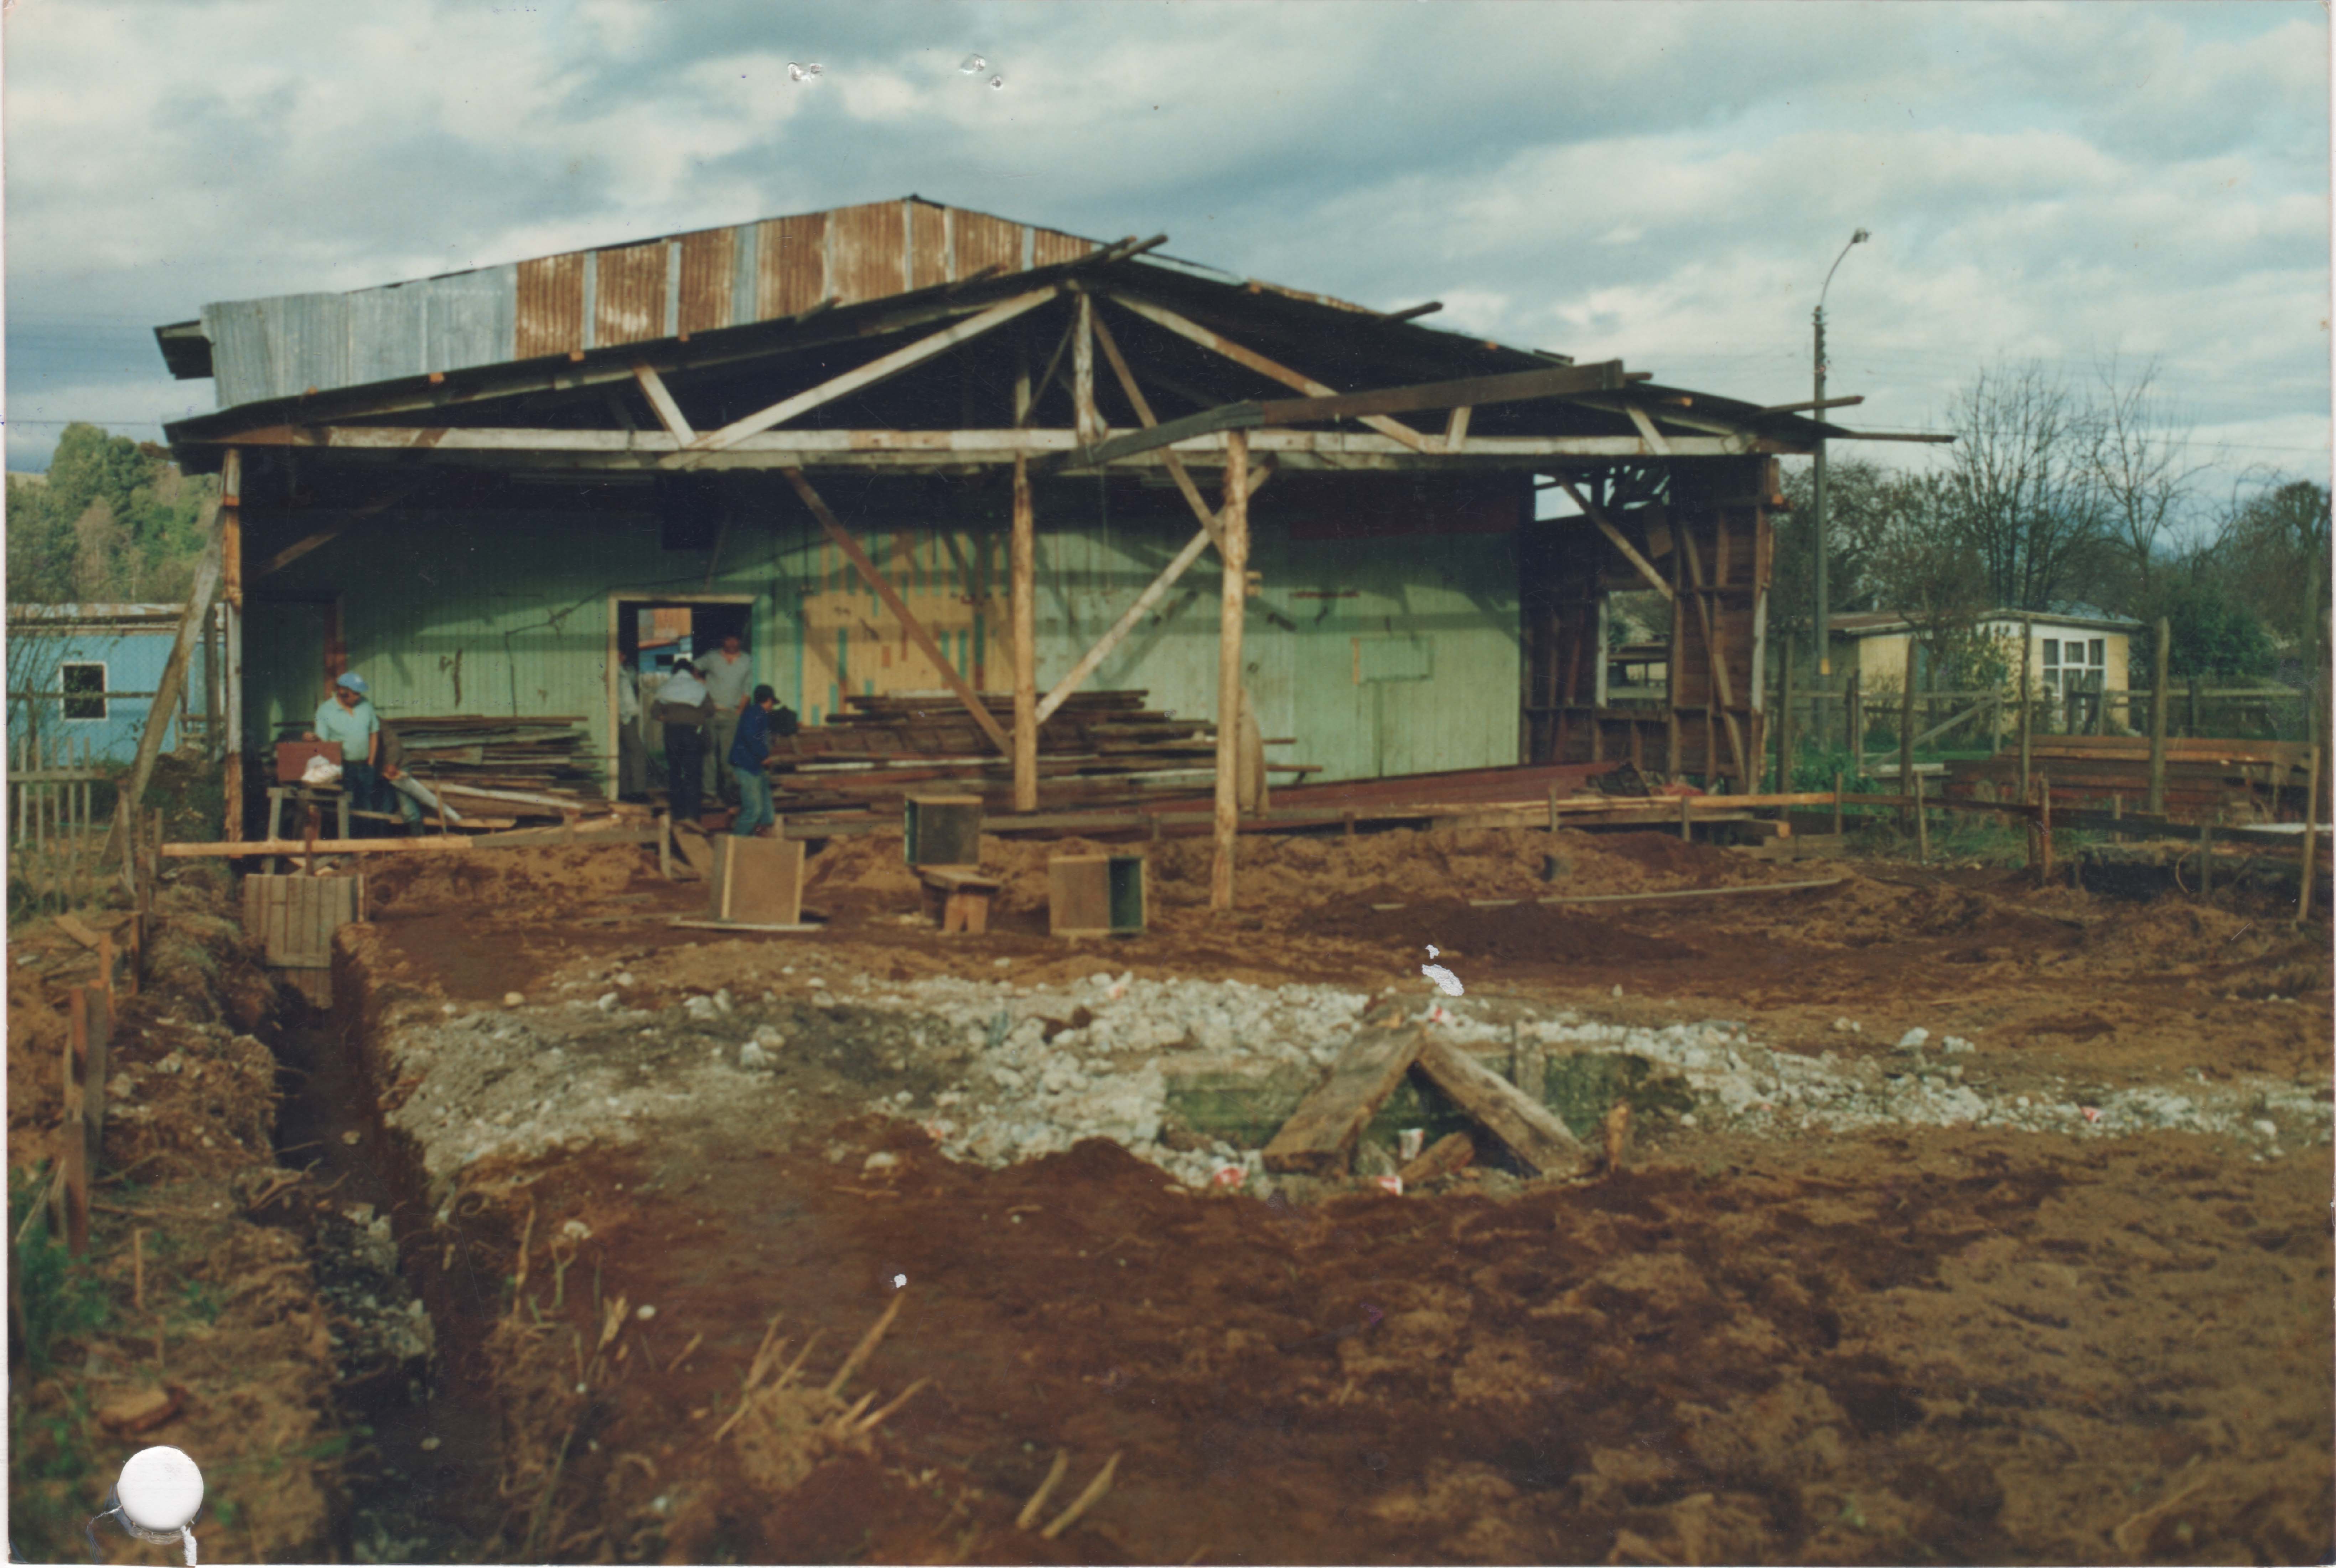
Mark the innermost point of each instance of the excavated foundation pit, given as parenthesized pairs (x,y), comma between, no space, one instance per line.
(1836,1309)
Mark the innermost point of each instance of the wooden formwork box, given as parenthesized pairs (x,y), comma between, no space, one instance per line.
(294,917)
(757,881)
(941,829)
(1096,895)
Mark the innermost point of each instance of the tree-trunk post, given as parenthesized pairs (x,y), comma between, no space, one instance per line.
(1906,733)
(1024,613)
(2311,838)
(2027,699)
(232,680)
(2157,695)
(1785,722)
(1233,526)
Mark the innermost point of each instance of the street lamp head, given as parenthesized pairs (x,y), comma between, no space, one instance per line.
(1861,236)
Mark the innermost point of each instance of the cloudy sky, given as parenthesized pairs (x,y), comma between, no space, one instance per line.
(1663,183)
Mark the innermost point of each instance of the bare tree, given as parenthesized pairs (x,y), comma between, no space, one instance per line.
(2139,461)
(2021,496)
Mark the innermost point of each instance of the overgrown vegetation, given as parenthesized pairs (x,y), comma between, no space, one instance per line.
(113,521)
(55,1297)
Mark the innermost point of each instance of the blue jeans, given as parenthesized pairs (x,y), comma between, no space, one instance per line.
(754,807)
(363,786)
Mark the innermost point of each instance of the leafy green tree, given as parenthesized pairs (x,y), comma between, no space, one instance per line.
(114,520)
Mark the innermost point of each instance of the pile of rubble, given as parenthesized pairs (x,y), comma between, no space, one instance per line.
(998,1073)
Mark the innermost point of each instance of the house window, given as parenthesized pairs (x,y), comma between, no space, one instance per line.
(2051,651)
(84,688)
(2100,648)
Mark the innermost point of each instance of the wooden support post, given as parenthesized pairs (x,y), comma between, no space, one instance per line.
(1922,825)
(1552,808)
(230,527)
(1687,830)
(2027,701)
(1233,608)
(2205,861)
(850,547)
(73,1136)
(1906,731)
(2157,695)
(665,846)
(2311,838)
(1022,613)
(1085,422)
(1836,803)
(2044,821)
(1785,722)
(2194,721)
(174,677)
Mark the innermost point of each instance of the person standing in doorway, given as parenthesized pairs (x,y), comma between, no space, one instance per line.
(728,675)
(684,710)
(755,727)
(348,716)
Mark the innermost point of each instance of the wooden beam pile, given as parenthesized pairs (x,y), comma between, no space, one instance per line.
(1098,746)
(2205,777)
(502,769)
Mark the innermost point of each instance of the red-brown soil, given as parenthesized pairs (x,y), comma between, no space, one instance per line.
(1900,1346)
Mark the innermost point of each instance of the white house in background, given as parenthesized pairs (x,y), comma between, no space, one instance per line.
(2076,653)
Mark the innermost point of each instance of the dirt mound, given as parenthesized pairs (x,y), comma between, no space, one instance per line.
(548,881)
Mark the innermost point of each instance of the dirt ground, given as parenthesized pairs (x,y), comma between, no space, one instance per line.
(1901,1344)
(1908,1345)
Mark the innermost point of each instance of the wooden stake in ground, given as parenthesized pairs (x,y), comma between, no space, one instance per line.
(2027,701)
(231,523)
(1906,733)
(1836,803)
(1785,722)
(2156,807)
(2044,821)
(1023,613)
(1233,607)
(1922,825)
(2310,837)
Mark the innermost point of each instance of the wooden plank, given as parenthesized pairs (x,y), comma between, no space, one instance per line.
(1644,567)
(1453,1152)
(1647,431)
(1538,1139)
(1217,343)
(1694,893)
(693,923)
(915,628)
(1144,415)
(1320,1134)
(1455,431)
(1715,649)
(866,375)
(1085,419)
(209,573)
(1517,386)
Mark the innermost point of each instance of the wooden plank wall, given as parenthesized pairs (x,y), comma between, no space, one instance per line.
(1711,538)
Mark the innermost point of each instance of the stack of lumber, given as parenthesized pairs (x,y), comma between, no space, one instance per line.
(2205,777)
(502,770)
(1099,747)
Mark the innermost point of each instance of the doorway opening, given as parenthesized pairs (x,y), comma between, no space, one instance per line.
(647,633)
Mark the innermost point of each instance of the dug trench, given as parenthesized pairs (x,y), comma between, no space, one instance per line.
(1843,1298)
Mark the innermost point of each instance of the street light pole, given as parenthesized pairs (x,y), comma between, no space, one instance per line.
(1823,640)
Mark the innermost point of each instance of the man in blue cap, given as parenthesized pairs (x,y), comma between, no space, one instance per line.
(348,718)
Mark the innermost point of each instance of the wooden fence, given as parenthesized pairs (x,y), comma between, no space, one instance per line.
(54,834)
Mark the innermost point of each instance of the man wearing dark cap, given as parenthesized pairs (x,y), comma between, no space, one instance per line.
(763,719)
(684,710)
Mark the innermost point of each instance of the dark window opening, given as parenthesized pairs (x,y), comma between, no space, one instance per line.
(84,688)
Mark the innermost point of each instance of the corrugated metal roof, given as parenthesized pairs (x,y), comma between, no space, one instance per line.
(582,299)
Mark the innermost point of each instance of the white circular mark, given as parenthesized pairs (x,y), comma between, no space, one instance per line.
(160,1490)
(997,82)
(900,1281)
(645,1312)
(973,66)
(801,72)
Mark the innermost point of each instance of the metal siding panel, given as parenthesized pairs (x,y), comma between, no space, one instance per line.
(1048,246)
(551,310)
(929,259)
(986,241)
(240,352)
(467,319)
(629,302)
(384,333)
(866,252)
(745,251)
(709,263)
(791,265)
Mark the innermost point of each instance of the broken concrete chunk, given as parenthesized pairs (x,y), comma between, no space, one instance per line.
(1913,1040)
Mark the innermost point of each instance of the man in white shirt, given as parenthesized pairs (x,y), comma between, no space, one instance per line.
(729,677)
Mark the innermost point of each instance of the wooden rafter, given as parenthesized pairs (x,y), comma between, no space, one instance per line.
(866,375)
(893,601)
(661,401)
(1645,568)
(1142,406)
(1707,615)
(1219,343)
(324,536)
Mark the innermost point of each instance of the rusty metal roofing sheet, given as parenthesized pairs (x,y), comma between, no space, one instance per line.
(866,251)
(550,314)
(930,258)
(709,262)
(1047,247)
(986,241)
(792,265)
(628,302)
